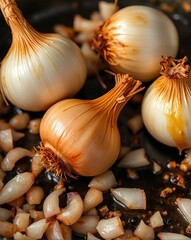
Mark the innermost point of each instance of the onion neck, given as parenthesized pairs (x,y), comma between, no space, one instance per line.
(21,29)
(114,100)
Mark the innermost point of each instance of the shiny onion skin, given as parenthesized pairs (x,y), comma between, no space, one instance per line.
(82,136)
(39,69)
(166,106)
(133,40)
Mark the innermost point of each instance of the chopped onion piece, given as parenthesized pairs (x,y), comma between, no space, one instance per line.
(73,211)
(17,202)
(64,30)
(54,231)
(35,195)
(172,236)
(156,220)
(2,174)
(92,212)
(13,156)
(66,231)
(21,236)
(156,168)
(83,37)
(144,231)
(133,159)
(28,207)
(36,215)
(4,125)
(20,121)
(81,24)
(133,198)
(135,123)
(5,214)
(6,229)
(184,204)
(16,187)
(17,135)
(51,203)
(85,224)
(89,53)
(104,181)
(1,184)
(185,164)
(21,221)
(92,198)
(90,236)
(36,165)
(6,140)
(37,229)
(128,235)
(106,9)
(123,151)
(110,228)
(34,125)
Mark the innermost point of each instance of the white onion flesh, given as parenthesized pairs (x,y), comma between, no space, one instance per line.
(172,236)
(110,228)
(21,221)
(104,181)
(81,24)
(20,121)
(51,203)
(21,236)
(133,198)
(93,197)
(184,204)
(73,211)
(5,214)
(16,187)
(85,224)
(135,123)
(13,156)
(28,207)
(6,140)
(134,158)
(106,9)
(156,220)
(37,229)
(54,231)
(1,184)
(34,125)
(66,231)
(90,236)
(145,232)
(35,195)
(36,165)
(36,215)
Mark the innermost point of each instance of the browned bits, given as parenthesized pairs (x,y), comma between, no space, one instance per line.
(20,121)
(172,164)
(165,192)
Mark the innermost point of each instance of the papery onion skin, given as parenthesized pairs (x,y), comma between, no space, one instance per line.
(133,39)
(39,69)
(82,136)
(166,106)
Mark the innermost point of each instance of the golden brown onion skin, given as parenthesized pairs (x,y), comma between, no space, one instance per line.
(82,136)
